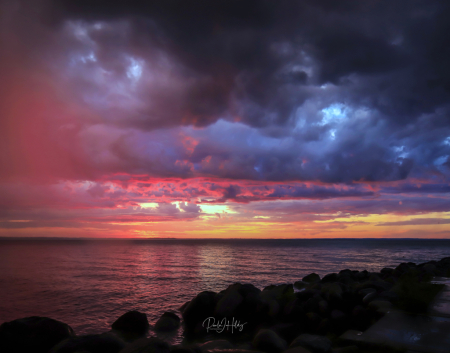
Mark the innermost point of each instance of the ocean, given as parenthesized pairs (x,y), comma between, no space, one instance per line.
(88,284)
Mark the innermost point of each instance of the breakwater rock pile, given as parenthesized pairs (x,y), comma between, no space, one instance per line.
(306,316)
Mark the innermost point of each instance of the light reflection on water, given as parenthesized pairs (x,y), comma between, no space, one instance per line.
(88,284)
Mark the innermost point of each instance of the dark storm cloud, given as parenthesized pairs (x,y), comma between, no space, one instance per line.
(266,90)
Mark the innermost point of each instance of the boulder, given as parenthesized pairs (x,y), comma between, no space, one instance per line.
(331,277)
(167,322)
(300,284)
(369,297)
(147,345)
(105,342)
(199,308)
(131,325)
(229,302)
(311,278)
(33,334)
(215,345)
(297,350)
(268,341)
(315,343)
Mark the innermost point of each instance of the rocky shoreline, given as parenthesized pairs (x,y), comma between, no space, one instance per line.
(307,316)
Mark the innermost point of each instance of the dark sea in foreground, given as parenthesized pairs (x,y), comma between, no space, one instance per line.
(90,283)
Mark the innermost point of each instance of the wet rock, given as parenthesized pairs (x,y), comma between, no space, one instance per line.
(131,325)
(167,322)
(147,345)
(280,292)
(331,277)
(33,334)
(268,341)
(215,345)
(315,343)
(337,316)
(102,343)
(311,278)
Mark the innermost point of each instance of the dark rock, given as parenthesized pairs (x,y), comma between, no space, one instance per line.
(369,297)
(311,278)
(147,345)
(402,269)
(279,292)
(361,276)
(337,316)
(324,326)
(167,322)
(214,345)
(288,331)
(365,291)
(430,269)
(331,277)
(300,284)
(268,341)
(312,321)
(131,325)
(297,350)
(332,292)
(229,302)
(102,343)
(315,343)
(323,306)
(33,334)
(387,271)
(307,294)
(199,308)
(389,295)
(184,306)
(348,349)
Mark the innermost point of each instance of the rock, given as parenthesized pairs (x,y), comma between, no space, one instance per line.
(387,271)
(297,350)
(147,345)
(365,291)
(215,344)
(348,349)
(323,306)
(268,341)
(381,306)
(361,276)
(105,342)
(311,278)
(331,277)
(332,292)
(274,308)
(199,308)
(184,306)
(228,304)
(389,295)
(167,322)
(430,269)
(315,343)
(131,325)
(337,316)
(300,284)
(33,334)
(369,297)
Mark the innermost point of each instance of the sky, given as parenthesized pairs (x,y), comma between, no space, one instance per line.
(225,118)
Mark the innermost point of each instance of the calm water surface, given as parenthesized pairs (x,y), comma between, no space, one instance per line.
(89,283)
